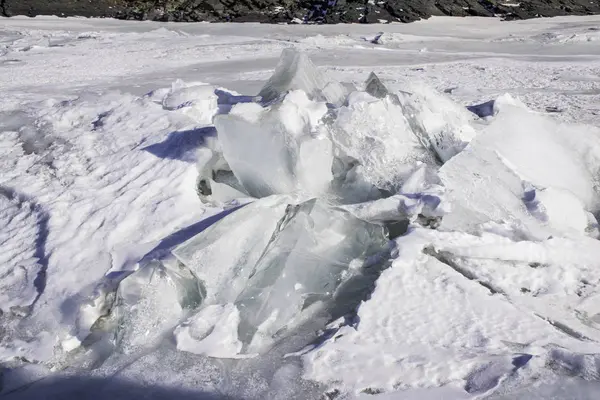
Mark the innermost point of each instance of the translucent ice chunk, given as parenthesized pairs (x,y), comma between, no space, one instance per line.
(216,183)
(315,252)
(223,256)
(279,149)
(441,124)
(295,71)
(375,87)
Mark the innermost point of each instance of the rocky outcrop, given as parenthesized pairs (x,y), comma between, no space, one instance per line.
(274,11)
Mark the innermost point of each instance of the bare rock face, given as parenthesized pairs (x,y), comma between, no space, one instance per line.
(278,11)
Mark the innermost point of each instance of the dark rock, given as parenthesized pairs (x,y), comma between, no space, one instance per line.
(84,8)
(315,11)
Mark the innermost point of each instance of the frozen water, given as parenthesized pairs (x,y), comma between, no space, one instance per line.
(224,255)
(421,195)
(21,266)
(212,331)
(215,182)
(315,254)
(295,71)
(278,149)
(441,124)
(151,301)
(383,137)
(375,87)
(517,155)
(374,134)
(283,265)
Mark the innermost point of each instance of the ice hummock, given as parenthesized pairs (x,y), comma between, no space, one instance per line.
(295,71)
(362,147)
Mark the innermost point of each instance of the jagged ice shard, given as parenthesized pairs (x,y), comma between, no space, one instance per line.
(441,126)
(279,149)
(280,265)
(223,256)
(315,257)
(295,71)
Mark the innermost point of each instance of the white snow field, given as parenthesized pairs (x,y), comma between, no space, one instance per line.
(223,211)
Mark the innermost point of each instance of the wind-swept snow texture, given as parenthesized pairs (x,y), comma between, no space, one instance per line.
(183,216)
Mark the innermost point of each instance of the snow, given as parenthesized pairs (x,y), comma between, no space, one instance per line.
(22,221)
(376,134)
(147,191)
(530,159)
(212,331)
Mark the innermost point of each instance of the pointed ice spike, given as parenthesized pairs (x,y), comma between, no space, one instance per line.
(374,87)
(295,71)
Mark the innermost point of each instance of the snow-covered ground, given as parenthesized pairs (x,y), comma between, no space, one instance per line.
(493,292)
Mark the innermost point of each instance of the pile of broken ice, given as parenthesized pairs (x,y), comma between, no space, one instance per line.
(322,174)
(325,175)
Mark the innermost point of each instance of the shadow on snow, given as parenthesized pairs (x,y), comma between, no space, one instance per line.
(93,388)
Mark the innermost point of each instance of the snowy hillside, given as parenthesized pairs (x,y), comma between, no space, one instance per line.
(300,212)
